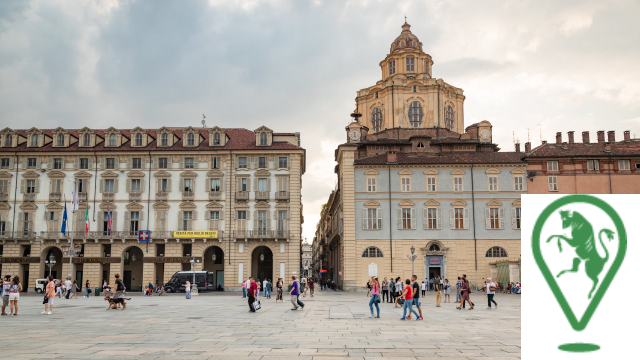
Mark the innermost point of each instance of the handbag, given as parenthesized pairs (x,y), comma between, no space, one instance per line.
(401,301)
(376,299)
(256,305)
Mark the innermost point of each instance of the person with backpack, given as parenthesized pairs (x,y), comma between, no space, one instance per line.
(14,295)
(120,288)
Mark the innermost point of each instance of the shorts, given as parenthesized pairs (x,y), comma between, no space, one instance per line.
(416,302)
(5,300)
(50,300)
(14,296)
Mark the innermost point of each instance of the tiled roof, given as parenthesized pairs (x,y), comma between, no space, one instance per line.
(479,157)
(239,139)
(631,148)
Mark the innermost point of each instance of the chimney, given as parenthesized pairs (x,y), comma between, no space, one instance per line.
(601,136)
(392,157)
(627,135)
(558,138)
(517,147)
(570,134)
(527,147)
(585,137)
(611,136)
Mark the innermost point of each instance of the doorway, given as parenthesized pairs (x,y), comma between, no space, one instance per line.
(132,269)
(262,263)
(127,279)
(213,262)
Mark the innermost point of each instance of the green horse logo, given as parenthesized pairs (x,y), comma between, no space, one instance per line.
(583,241)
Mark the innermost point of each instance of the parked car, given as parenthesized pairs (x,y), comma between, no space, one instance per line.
(40,285)
(204,280)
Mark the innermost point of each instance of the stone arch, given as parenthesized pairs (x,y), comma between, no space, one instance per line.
(262,268)
(433,243)
(214,266)
(132,267)
(56,271)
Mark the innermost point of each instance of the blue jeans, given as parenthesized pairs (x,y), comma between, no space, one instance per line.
(189,294)
(268,293)
(300,303)
(244,292)
(409,304)
(371,303)
(88,292)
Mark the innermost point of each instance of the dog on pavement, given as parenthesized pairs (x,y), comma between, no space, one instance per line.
(115,303)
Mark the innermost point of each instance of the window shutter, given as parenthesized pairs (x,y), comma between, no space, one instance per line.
(38,163)
(249,184)
(439,219)
(129,163)
(181,184)
(425,218)
(141,217)
(364,219)
(487,218)
(90,163)
(127,220)
(413,219)
(100,219)
(501,215)
(181,163)
(268,184)
(513,218)
(196,162)
(207,185)
(154,163)
(452,218)
(115,185)
(255,185)
(194,215)
(23,186)
(399,219)
(180,220)
(101,185)
(21,222)
(288,162)
(50,163)
(379,219)
(141,185)
(128,185)
(114,221)
(221,214)
(37,186)
(466,218)
(268,220)
(207,215)
(233,215)
(193,184)
(103,164)
(248,215)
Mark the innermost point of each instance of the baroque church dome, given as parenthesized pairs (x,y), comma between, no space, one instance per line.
(405,40)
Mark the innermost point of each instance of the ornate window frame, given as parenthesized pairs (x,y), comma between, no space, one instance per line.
(259,131)
(196,137)
(220,132)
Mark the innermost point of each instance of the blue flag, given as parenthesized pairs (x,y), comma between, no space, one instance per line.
(64,220)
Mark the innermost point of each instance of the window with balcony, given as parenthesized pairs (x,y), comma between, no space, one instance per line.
(262,222)
(243,184)
(84,163)
(31,186)
(110,163)
(188,163)
(242,162)
(135,185)
(57,163)
(134,222)
(214,220)
(262,162)
(282,163)
(136,163)
(282,222)
(162,163)
(164,185)
(188,185)
(241,220)
(109,185)
(262,185)
(187,218)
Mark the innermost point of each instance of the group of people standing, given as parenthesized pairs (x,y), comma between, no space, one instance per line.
(251,290)
(11,294)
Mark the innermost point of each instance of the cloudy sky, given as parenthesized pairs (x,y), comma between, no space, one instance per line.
(537,66)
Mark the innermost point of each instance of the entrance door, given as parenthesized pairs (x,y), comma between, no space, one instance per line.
(79,279)
(127,279)
(434,272)
(220,279)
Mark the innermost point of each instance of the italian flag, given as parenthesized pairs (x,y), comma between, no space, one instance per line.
(86,222)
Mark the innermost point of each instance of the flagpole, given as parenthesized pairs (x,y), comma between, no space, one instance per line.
(73,222)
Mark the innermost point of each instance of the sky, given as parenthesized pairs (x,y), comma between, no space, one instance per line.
(532,68)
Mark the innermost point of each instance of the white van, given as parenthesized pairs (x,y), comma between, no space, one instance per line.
(40,285)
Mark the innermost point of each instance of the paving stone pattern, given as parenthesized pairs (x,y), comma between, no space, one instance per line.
(218,326)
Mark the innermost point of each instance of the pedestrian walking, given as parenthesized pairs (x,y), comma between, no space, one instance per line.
(464,293)
(244,289)
(438,288)
(416,295)
(74,288)
(120,288)
(49,295)
(447,289)
(295,291)
(259,285)
(279,290)
(252,293)
(458,287)
(187,289)
(424,289)
(6,284)
(312,285)
(490,290)
(87,287)
(375,296)
(67,288)
(408,301)
(431,284)
(14,295)
(303,287)
(464,280)
(264,287)
(385,289)
(59,290)
(268,288)
(398,285)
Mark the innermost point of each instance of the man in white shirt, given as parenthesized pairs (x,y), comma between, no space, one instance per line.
(67,286)
(490,289)
(264,287)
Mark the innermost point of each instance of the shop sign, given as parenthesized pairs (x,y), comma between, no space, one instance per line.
(434,261)
(20,259)
(195,234)
(173,259)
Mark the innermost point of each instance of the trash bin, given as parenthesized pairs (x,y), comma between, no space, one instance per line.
(289,288)
(97,291)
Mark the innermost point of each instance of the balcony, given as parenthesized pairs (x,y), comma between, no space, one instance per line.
(187,195)
(55,196)
(261,234)
(24,235)
(83,196)
(4,197)
(108,196)
(161,196)
(29,197)
(242,195)
(214,195)
(262,195)
(135,196)
(282,195)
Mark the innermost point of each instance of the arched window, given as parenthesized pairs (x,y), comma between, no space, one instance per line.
(190,139)
(449,118)
(60,140)
(372,252)
(34,140)
(165,139)
(496,251)
(434,247)
(8,140)
(415,114)
(376,119)
(87,139)
(138,139)
(420,145)
(263,138)
(112,140)
(216,139)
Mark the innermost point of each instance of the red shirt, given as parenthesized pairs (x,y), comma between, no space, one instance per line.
(408,296)
(253,288)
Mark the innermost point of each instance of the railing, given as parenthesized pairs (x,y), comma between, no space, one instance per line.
(55,196)
(262,195)
(24,235)
(261,234)
(161,196)
(242,195)
(108,196)
(83,196)
(4,197)
(135,196)
(29,197)
(214,195)
(282,195)
(187,195)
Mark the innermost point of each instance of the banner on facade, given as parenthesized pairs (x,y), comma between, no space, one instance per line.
(195,234)
(434,261)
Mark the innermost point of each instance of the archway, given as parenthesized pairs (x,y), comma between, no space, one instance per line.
(213,262)
(262,263)
(132,268)
(56,270)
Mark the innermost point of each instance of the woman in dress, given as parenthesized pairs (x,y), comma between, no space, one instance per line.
(74,287)
(14,295)
(465,294)
(446,286)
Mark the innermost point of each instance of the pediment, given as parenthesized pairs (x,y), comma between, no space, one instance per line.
(518,171)
(31,175)
(187,205)
(493,171)
(85,130)
(189,129)
(54,206)
(261,205)
(109,174)
(135,174)
(431,203)
(161,205)
(457,172)
(214,205)
(262,172)
(406,202)
(162,174)
(4,206)
(83,174)
(217,174)
(34,130)
(59,130)
(431,172)
(406,172)
(111,130)
(517,203)
(494,203)
(103,206)
(263,129)
(28,206)
(188,174)
(371,204)
(216,129)
(137,129)
(5,175)
(135,206)
(458,203)
(56,174)
(7,130)
(371,172)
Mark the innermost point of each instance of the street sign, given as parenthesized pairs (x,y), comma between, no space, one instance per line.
(144,235)
(340,272)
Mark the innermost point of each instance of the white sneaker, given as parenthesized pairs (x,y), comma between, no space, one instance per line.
(49,313)
(44,312)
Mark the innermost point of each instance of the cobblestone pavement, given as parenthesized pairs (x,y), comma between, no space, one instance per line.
(219,326)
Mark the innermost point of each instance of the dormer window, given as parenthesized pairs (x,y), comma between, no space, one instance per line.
(60,140)
(216,139)
(190,140)
(165,140)
(112,140)
(263,139)
(138,139)
(420,145)
(34,140)
(8,140)
(86,140)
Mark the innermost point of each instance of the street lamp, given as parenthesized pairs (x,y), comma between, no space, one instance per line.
(412,257)
(194,286)
(50,263)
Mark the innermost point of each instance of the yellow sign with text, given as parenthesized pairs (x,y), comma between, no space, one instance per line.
(195,234)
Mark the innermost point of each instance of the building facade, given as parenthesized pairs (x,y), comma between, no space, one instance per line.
(228,199)
(411,175)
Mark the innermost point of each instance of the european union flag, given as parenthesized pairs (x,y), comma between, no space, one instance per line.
(64,220)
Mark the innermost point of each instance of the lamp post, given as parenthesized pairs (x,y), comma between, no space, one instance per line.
(194,286)
(50,263)
(412,257)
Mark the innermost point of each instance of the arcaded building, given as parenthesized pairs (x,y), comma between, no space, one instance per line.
(228,199)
